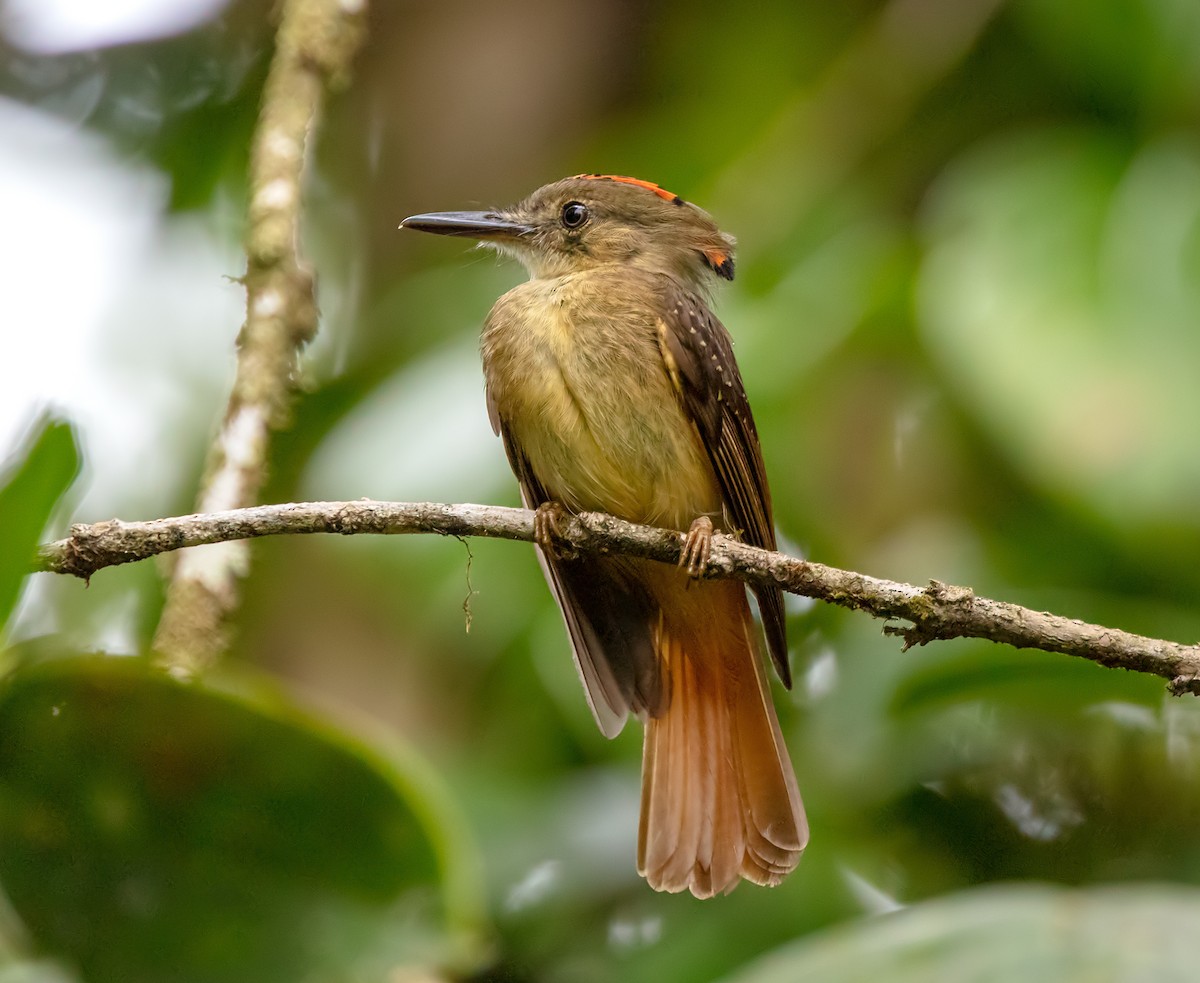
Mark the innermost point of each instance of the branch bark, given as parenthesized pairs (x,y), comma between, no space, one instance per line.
(936,611)
(314,45)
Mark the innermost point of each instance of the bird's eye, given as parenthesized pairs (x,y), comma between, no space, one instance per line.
(574,214)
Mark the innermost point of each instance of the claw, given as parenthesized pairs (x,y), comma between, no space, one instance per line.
(547,526)
(697,548)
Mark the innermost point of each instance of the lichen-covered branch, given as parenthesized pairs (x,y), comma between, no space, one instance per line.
(936,611)
(314,45)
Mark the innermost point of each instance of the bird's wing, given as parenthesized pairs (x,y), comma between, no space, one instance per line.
(608,614)
(698,354)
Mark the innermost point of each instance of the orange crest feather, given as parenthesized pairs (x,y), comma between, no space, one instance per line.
(636,182)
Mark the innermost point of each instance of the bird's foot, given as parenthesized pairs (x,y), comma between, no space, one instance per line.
(547,527)
(697,548)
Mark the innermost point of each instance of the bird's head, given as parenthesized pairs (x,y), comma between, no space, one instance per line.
(595,220)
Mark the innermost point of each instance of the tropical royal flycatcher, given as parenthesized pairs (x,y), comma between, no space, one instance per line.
(614,389)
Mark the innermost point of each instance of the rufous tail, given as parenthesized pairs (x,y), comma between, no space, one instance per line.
(719,797)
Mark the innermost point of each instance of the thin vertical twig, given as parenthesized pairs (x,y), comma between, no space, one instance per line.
(314,46)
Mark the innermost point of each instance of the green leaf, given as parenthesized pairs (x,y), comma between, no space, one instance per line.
(159,830)
(34,480)
(1004,933)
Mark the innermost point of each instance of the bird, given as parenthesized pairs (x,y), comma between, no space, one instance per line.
(614,389)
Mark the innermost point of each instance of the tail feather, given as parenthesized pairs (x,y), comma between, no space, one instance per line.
(719,799)
(670,763)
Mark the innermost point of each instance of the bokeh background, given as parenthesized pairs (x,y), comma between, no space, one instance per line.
(968,316)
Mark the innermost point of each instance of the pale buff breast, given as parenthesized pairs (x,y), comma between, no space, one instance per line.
(578,377)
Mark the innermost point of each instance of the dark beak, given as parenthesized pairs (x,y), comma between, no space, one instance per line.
(473,225)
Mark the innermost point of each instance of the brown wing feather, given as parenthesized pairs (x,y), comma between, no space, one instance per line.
(699,355)
(607,613)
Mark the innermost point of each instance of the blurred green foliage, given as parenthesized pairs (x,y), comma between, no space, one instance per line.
(966,314)
(156,831)
(1007,932)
